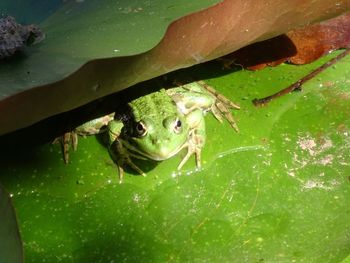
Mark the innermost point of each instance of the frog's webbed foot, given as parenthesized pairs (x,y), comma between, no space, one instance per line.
(199,95)
(92,127)
(222,106)
(66,140)
(126,161)
(122,159)
(194,146)
(192,149)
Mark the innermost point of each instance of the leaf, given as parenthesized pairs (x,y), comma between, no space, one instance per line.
(269,193)
(346,260)
(299,46)
(80,32)
(11,250)
(76,33)
(317,40)
(39,10)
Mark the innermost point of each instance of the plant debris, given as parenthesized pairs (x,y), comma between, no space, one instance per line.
(14,37)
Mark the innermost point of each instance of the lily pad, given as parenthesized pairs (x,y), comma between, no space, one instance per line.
(11,249)
(80,31)
(92,48)
(278,191)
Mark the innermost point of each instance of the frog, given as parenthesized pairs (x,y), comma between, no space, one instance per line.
(158,126)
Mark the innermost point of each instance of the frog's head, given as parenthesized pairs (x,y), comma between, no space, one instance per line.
(157,138)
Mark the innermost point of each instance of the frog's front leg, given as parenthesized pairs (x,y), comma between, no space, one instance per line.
(221,106)
(118,152)
(67,139)
(199,95)
(95,126)
(196,139)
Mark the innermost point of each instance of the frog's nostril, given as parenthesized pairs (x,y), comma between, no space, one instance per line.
(156,141)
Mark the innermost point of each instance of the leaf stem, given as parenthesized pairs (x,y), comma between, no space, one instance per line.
(297,85)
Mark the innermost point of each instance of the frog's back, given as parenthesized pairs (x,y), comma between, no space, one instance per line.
(153,105)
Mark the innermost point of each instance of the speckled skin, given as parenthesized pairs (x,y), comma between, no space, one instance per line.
(14,37)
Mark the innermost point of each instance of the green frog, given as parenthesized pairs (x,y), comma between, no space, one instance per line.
(158,126)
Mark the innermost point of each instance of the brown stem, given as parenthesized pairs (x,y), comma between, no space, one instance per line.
(296,85)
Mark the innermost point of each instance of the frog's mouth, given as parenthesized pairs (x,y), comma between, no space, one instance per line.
(160,155)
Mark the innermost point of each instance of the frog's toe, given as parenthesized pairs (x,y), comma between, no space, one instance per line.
(136,168)
(219,97)
(195,145)
(198,158)
(228,115)
(66,140)
(184,160)
(222,106)
(127,162)
(121,174)
(217,114)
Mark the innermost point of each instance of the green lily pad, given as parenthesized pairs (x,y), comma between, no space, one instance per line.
(80,31)
(98,47)
(11,249)
(347,260)
(51,73)
(39,10)
(278,191)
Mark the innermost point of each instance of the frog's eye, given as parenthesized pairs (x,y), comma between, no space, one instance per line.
(177,126)
(141,129)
